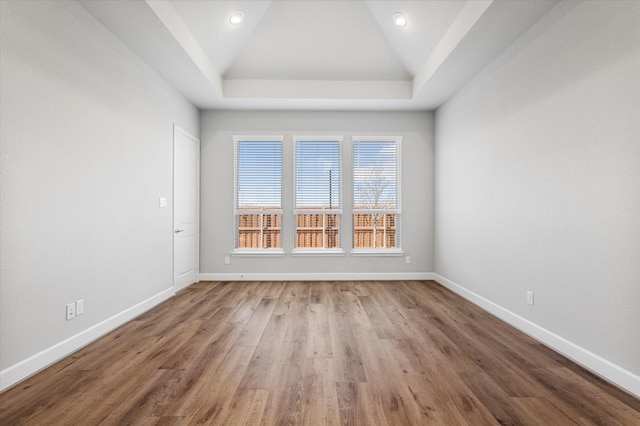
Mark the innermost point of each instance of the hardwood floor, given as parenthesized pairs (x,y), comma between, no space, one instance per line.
(316,353)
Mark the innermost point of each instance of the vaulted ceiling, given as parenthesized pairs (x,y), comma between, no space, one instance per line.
(318,54)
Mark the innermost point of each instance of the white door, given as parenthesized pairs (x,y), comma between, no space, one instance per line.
(186,199)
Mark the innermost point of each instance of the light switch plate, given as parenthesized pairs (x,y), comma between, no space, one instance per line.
(163,202)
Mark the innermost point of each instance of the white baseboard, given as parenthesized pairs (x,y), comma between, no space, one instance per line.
(595,363)
(28,367)
(319,276)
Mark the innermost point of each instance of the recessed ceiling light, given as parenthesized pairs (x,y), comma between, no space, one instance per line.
(236,17)
(399,19)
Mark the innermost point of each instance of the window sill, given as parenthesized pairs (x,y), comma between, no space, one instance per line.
(258,253)
(377,252)
(317,252)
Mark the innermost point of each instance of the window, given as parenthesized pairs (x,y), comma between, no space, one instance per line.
(258,193)
(376,194)
(318,206)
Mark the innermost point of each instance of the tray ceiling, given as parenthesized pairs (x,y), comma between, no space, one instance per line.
(318,54)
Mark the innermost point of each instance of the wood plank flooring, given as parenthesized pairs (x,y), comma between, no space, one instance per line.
(316,353)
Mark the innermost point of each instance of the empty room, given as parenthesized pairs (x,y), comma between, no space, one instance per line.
(319,212)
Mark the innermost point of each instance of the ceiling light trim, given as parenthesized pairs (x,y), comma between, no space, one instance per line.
(236,17)
(399,19)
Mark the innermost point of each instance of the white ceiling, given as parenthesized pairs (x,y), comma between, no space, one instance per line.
(318,54)
(318,40)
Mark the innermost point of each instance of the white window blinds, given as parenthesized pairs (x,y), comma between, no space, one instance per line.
(318,202)
(258,192)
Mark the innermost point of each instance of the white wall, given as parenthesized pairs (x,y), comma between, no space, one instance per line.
(86,150)
(217,220)
(538,185)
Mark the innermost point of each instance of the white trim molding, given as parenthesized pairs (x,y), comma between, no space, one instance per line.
(377,252)
(318,276)
(592,362)
(258,252)
(177,128)
(317,252)
(258,138)
(22,370)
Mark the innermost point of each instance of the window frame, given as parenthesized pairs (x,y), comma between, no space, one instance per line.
(334,251)
(255,251)
(380,251)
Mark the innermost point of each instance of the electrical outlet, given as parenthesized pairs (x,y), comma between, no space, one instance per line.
(407,259)
(79,307)
(530,298)
(227,260)
(71,311)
